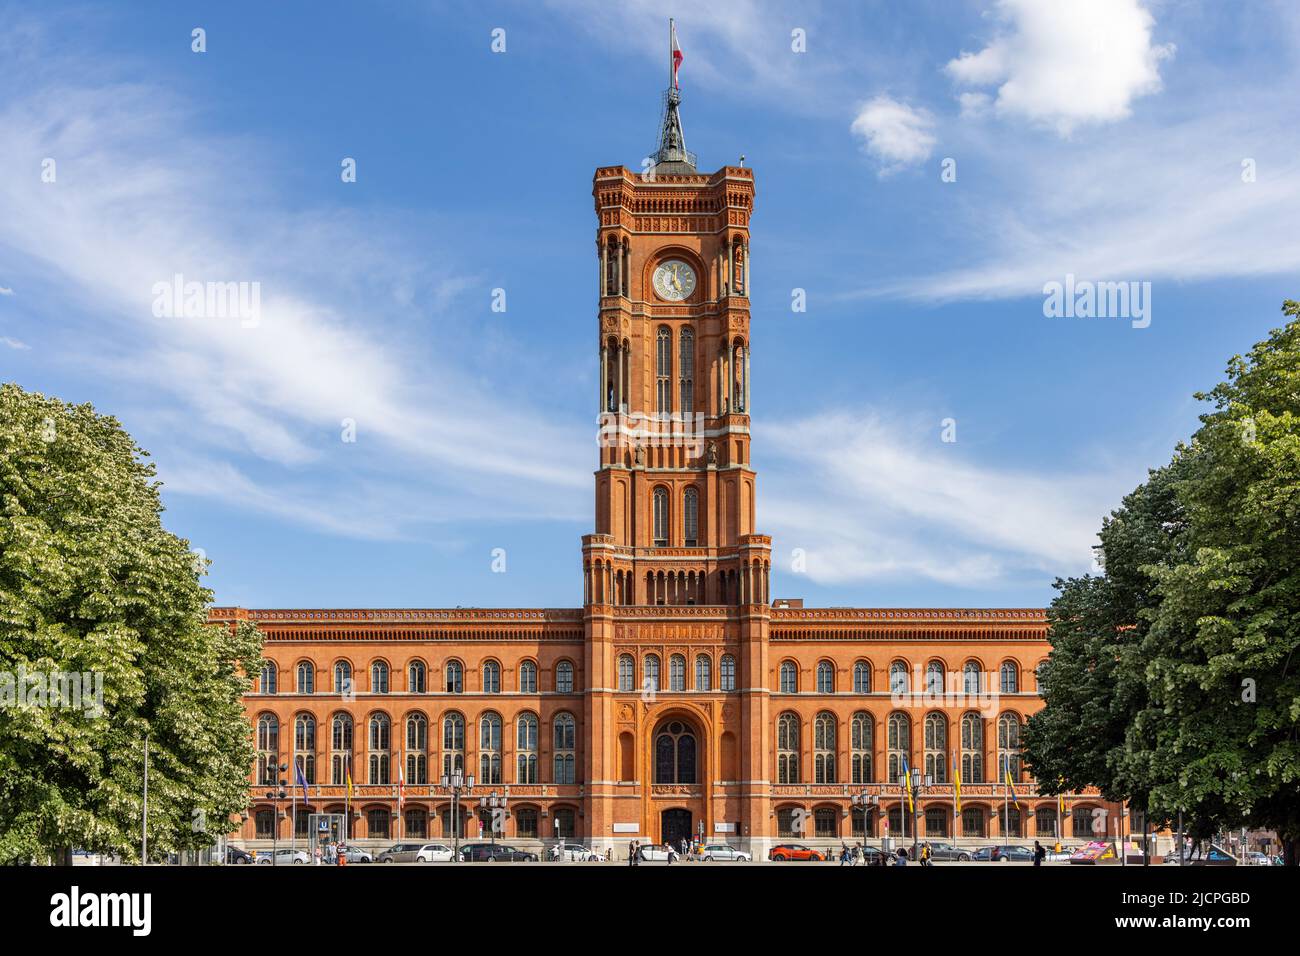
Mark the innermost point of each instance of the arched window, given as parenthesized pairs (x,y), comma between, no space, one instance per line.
(936,747)
(626,673)
(306,677)
(703,672)
(690,518)
(824,748)
(675,753)
(340,749)
(453,743)
(727,673)
(564,677)
(378,749)
(970,678)
(789,678)
(489,749)
(862,678)
(415,677)
(304,746)
(650,672)
(661,517)
(1038,677)
(934,678)
(268,750)
(1010,678)
(526,749)
(862,744)
(343,678)
(491,677)
(379,678)
(787,749)
(663,370)
(565,733)
(686,372)
(825,678)
(898,678)
(528,678)
(899,741)
(972,749)
(266,681)
(417,747)
(677,672)
(1008,747)
(455,677)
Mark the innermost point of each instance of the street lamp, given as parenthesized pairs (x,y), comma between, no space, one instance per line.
(457,783)
(556,818)
(275,796)
(920,783)
(491,804)
(865,802)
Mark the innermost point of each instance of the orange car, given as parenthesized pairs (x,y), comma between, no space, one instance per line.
(794,851)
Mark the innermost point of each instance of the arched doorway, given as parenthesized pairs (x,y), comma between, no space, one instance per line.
(675,826)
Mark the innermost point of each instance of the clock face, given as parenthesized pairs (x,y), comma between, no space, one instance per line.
(674,280)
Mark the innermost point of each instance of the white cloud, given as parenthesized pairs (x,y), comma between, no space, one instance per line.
(1067,63)
(872,500)
(13,343)
(894,133)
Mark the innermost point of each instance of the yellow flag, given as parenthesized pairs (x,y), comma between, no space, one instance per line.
(1011,787)
(907,779)
(956,779)
(349,779)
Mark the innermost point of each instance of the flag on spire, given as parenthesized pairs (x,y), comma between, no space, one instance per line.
(676,52)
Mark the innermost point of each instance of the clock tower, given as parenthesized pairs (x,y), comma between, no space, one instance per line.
(675,595)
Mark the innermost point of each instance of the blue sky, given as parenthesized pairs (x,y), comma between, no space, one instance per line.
(1103,139)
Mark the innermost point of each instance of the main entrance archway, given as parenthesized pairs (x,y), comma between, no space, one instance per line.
(674,826)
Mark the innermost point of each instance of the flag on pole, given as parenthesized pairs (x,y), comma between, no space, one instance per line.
(676,52)
(401,787)
(1012,789)
(907,782)
(348,772)
(300,778)
(956,780)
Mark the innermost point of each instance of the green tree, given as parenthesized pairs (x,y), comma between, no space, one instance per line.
(1174,680)
(91,583)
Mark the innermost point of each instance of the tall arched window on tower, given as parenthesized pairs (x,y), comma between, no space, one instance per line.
(686,372)
(677,672)
(661,517)
(664,371)
(703,672)
(690,518)
(626,673)
(727,673)
(787,749)
(650,672)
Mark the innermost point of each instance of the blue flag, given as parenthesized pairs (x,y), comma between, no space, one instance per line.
(300,779)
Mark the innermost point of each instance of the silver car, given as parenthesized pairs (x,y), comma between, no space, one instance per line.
(401,853)
(722,851)
(286,857)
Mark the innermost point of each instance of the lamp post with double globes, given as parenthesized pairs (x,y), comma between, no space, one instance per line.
(457,783)
(489,805)
(275,796)
(920,783)
(865,802)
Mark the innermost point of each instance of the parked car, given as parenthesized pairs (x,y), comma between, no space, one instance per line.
(948,852)
(574,853)
(285,857)
(722,851)
(435,853)
(1004,854)
(354,854)
(236,855)
(657,853)
(494,853)
(400,853)
(794,851)
(1255,858)
(512,854)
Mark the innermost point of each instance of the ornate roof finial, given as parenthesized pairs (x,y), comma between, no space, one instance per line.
(673,156)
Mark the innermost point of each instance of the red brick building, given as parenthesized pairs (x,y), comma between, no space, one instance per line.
(680,698)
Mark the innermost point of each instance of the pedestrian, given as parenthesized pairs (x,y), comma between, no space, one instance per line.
(902,856)
(925,853)
(631,853)
(1040,854)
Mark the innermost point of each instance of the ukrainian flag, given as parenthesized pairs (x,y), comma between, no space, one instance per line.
(1011,787)
(956,779)
(907,782)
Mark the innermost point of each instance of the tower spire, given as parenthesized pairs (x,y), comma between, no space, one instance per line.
(672,155)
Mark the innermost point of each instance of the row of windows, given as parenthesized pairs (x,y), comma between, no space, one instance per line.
(690,517)
(416,678)
(416,822)
(378,750)
(973,679)
(664,371)
(650,676)
(936,756)
(936,821)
